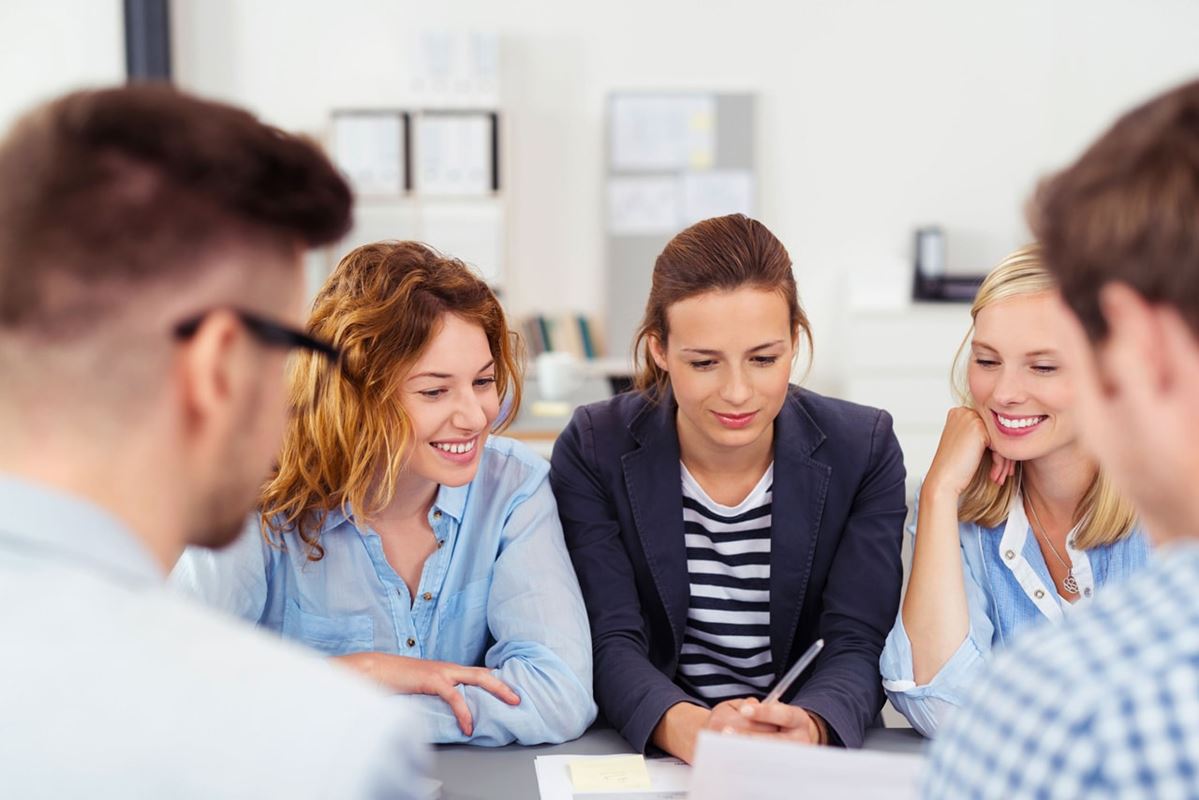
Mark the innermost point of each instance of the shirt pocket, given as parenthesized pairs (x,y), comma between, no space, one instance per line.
(462,629)
(334,636)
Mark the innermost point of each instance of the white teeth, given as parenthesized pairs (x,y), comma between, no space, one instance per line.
(1027,422)
(456,448)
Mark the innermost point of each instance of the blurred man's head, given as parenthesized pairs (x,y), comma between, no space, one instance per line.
(123,214)
(1120,230)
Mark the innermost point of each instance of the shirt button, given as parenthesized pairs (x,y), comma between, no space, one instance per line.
(411,642)
(1039,593)
(427,596)
(1009,555)
(1086,592)
(436,515)
(440,542)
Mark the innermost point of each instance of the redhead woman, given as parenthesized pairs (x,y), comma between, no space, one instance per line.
(399,536)
(721,519)
(1016,525)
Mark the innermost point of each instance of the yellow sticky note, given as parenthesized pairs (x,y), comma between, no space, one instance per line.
(609,772)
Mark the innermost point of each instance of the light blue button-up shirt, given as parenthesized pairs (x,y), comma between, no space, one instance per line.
(111,686)
(499,592)
(1008,589)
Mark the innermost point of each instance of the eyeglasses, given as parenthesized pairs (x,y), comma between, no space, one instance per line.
(265,331)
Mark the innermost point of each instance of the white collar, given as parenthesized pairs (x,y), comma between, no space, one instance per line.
(1016,531)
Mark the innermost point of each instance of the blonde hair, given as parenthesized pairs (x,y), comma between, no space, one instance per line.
(1103,516)
(381,307)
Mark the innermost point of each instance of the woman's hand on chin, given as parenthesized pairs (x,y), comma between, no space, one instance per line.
(964,441)
(405,675)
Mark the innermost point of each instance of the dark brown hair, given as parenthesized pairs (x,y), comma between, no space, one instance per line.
(1128,211)
(121,187)
(381,307)
(716,255)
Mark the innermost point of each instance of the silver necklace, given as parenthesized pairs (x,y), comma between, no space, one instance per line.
(1069,584)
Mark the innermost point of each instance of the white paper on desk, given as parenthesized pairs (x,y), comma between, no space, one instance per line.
(669,780)
(643,205)
(714,193)
(729,766)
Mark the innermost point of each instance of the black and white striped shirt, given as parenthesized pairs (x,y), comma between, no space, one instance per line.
(726,645)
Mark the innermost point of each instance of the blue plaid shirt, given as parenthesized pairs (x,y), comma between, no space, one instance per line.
(1104,706)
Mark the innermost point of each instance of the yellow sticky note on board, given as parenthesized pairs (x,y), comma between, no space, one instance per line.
(609,772)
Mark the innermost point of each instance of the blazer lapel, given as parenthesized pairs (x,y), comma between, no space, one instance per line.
(800,487)
(654,485)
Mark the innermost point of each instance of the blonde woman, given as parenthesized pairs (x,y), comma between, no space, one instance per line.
(399,536)
(1015,523)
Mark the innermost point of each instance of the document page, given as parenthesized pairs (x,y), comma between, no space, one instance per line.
(728,767)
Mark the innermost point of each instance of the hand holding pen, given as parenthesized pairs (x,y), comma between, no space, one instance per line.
(794,723)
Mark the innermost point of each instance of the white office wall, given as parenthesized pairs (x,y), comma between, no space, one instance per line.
(874,116)
(51,47)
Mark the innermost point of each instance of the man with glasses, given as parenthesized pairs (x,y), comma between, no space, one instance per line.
(150,292)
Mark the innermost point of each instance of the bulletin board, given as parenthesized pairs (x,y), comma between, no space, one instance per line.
(672,159)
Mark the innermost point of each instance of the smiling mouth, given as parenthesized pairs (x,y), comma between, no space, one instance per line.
(456,448)
(1018,425)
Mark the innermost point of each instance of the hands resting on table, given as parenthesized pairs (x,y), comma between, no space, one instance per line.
(676,733)
(679,727)
(405,675)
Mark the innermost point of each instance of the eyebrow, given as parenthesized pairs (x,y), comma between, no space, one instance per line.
(1032,354)
(442,376)
(705,352)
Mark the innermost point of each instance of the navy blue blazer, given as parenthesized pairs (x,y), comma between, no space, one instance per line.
(835,571)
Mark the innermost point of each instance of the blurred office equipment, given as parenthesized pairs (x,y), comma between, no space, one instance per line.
(148,40)
(456,153)
(931,280)
(430,170)
(371,149)
(673,158)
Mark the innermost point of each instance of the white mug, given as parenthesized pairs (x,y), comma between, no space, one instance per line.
(559,375)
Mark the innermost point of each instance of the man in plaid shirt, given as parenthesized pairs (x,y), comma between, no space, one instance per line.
(1108,705)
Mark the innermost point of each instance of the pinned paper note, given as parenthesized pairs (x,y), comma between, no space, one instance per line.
(656,132)
(609,773)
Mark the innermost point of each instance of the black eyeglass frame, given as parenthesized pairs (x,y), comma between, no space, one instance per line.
(265,331)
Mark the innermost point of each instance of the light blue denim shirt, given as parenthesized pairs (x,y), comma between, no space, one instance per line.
(498,592)
(1008,589)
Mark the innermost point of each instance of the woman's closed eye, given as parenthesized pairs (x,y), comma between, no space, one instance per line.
(702,364)
(1044,369)
(764,361)
(433,394)
(484,382)
(986,363)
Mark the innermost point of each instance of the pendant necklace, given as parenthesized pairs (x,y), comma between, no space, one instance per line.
(1069,584)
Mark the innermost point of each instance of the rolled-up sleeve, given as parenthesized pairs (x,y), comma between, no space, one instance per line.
(927,705)
(542,644)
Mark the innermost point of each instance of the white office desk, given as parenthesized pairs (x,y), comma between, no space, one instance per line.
(506,773)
